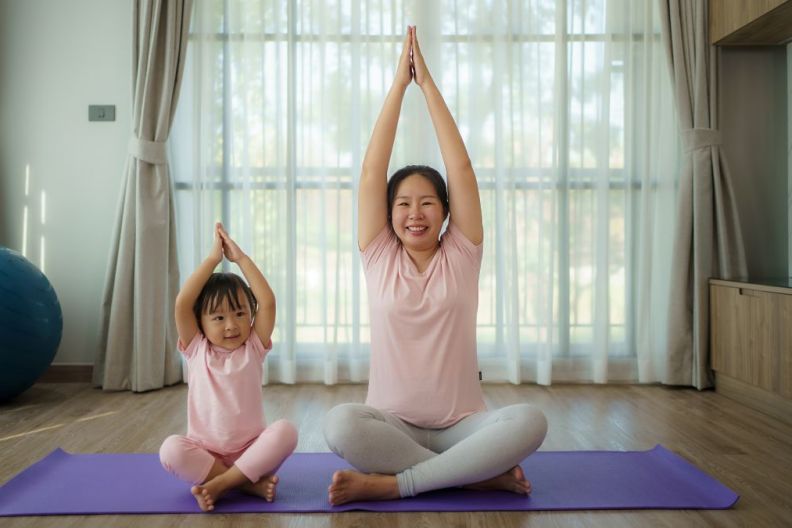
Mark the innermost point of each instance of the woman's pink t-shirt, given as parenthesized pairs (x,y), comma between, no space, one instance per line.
(424,367)
(224,405)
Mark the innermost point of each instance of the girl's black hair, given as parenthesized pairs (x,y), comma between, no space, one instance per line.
(427,172)
(222,287)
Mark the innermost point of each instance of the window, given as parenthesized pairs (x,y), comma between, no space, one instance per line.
(562,107)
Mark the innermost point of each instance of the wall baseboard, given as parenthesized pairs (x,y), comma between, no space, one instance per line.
(67,374)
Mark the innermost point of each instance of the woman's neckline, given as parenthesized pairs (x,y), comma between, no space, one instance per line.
(414,267)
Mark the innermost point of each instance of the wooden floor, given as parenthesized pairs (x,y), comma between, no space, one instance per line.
(744,449)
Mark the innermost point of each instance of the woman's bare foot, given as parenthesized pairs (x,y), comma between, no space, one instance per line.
(264,488)
(513,480)
(349,486)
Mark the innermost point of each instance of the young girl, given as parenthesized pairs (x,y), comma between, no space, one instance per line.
(223,326)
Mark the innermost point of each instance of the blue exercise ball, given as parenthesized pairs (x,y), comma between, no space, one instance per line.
(31,323)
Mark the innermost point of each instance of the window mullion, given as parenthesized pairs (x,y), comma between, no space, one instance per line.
(227,124)
(291,210)
(562,165)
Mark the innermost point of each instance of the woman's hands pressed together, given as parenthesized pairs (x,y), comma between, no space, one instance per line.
(404,69)
(412,66)
(419,69)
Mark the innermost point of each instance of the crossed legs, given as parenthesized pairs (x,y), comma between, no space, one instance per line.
(396,459)
(252,470)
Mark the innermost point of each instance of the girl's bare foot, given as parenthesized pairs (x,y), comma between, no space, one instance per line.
(206,494)
(205,502)
(513,480)
(210,491)
(264,488)
(349,486)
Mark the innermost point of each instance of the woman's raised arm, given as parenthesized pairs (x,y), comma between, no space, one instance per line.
(463,193)
(372,192)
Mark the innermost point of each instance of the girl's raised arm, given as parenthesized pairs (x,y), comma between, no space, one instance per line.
(264,318)
(463,193)
(186,325)
(373,188)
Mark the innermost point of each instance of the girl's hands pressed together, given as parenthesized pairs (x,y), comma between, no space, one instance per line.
(216,253)
(229,247)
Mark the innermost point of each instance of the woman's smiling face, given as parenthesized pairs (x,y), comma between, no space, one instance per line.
(417,214)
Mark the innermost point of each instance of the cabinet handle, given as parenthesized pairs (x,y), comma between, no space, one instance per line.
(748,293)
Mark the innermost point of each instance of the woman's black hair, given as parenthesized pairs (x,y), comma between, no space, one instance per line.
(427,172)
(222,287)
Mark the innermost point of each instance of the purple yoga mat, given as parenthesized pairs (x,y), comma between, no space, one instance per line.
(63,484)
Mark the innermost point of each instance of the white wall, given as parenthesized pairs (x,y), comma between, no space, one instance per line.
(56,58)
(753,122)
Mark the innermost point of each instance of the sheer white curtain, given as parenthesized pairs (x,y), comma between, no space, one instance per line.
(566,109)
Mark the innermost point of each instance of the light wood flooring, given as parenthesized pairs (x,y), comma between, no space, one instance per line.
(746,450)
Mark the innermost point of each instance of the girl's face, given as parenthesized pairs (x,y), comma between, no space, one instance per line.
(417,214)
(226,327)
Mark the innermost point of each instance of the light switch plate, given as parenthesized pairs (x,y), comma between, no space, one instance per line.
(101,113)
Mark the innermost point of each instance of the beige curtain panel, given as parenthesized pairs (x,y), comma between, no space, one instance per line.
(708,242)
(138,334)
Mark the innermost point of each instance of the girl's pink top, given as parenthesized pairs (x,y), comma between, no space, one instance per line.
(424,367)
(224,403)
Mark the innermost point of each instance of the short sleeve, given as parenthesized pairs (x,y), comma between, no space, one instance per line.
(454,241)
(255,344)
(189,350)
(382,246)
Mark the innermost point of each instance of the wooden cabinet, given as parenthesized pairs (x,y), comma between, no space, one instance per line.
(750,22)
(751,344)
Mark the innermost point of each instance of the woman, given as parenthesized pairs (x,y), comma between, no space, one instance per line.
(424,425)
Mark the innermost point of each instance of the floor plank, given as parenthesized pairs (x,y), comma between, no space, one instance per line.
(746,450)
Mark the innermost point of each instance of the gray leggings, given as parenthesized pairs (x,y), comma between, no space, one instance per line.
(479,447)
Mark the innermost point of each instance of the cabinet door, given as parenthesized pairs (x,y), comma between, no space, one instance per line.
(762,354)
(751,337)
(785,345)
(728,330)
